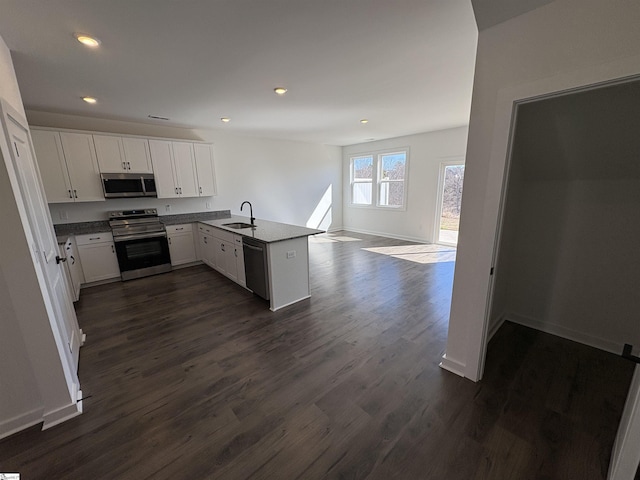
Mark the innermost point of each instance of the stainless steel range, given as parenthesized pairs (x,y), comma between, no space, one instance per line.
(141,243)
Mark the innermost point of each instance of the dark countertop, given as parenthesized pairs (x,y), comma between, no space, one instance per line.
(265,231)
(64,230)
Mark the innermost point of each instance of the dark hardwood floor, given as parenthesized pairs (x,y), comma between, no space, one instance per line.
(188,376)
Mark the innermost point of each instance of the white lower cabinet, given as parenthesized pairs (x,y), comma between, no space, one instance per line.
(181,245)
(98,256)
(222,251)
(239,255)
(206,247)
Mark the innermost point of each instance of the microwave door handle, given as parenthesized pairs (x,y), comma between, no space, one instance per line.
(144,187)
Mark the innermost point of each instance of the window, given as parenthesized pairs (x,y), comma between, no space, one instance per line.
(362,180)
(387,171)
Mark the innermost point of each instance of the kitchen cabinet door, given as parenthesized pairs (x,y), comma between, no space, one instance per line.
(181,246)
(205,169)
(99,261)
(239,256)
(162,160)
(52,165)
(110,154)
(137,155)
(185,169)
(82,164)
(207,246)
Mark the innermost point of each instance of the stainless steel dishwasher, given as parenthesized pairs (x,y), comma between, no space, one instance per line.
(255,265)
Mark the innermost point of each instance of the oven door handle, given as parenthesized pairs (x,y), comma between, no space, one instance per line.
(140,236)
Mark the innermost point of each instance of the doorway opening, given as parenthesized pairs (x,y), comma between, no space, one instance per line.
(449,202)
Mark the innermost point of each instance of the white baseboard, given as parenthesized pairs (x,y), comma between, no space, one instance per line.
(452,365)
(387,235)
(287,304)
(51,419)
(20,422)
(495,326)
(563,332)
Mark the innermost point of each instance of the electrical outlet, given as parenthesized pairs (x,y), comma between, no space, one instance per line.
(291,254)
(167,208)
(64,215)
(208,204)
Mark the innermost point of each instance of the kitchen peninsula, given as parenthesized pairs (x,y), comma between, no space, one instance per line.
(277,256)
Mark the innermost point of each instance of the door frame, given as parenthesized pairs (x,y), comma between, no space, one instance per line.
(51,386)
(450,161)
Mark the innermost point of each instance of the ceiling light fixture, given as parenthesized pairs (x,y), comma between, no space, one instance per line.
(90,100)
(225,119)
(280,90)
(87,40)
(364,120)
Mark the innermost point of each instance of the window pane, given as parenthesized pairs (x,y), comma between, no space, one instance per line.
(393,166)
(362,193)
(363,167)
(391,194)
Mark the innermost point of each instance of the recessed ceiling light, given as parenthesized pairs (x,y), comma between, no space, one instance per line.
(280,90)
(87,40)
(225,119)
(364,120)
(90,100)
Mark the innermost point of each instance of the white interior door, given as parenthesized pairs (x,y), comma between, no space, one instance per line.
(45,245)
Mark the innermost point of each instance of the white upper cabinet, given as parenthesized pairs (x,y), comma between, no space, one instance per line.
(185,169)
(122,154)
(174,168)
(68,166)
(53,167)
(205,170)
(82,165)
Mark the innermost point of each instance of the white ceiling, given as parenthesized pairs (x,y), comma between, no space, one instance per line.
(406,65)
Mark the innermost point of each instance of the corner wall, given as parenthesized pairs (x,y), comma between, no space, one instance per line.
(560,46)
(426,152)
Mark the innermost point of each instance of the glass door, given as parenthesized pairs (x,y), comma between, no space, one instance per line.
(449,202)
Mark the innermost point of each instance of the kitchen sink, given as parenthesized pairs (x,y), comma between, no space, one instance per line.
(238,225)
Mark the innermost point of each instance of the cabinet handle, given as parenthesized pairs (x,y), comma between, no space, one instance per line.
(75,194)
(176,190)
(205,239)
(180,188)
(181,228)
(124,165)
(129,165)
(200,190)
(235,252)
(113,250)
(73,260)
(95,238)
(169,238)
(70,194)
(222,247)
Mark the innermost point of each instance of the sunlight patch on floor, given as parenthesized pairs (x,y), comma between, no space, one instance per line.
(422,253)
(330,238)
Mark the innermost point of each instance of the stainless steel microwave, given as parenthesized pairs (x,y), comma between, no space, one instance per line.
(119,185)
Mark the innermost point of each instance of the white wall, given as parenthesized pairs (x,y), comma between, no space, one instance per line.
(20,398)
(426,152)
(291,182)
(563,45)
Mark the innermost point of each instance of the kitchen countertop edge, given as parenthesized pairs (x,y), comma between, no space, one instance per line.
(265,231)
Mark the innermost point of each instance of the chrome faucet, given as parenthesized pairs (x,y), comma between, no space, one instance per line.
(251,210)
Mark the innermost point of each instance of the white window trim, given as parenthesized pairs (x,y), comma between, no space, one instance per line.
(376,181)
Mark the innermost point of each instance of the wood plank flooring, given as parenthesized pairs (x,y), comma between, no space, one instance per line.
(188,376)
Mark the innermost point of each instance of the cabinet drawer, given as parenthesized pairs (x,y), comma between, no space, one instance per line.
(206,228)
(92,238)
(223,235)
(184,228)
